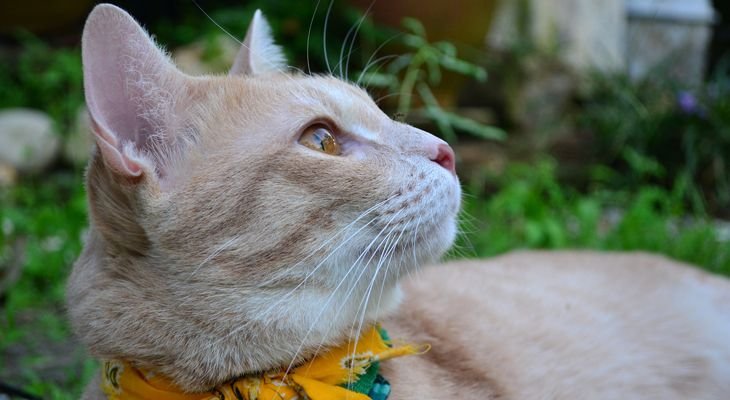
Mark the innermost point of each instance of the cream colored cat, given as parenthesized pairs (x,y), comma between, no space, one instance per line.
(251,222)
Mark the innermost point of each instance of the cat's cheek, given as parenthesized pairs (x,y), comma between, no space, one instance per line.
(358,154)
(355,150)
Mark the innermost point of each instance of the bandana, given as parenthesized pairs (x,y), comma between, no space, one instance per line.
(349,372)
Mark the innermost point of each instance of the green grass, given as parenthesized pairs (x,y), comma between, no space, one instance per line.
(42,223)
(531,209)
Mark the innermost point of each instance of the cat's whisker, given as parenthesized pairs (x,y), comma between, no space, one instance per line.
(282,299)
(361,308)
(288,76)
(430,252)
(324,37)
(286,296)
(331,296)
(309,34)
(340,65)
(231,241)
(387,244)
(348,295)
(384,244)
(311,273)
(216,23)
(466,226)
(415,237)
(384,260)
(291,78)
(352,42)
(381,98)
(385,276)
(467,219)
(379,60)
(368,64)
(326,242)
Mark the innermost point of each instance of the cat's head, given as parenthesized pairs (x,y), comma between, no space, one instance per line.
(240,222)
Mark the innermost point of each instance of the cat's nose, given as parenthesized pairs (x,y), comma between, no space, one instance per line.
(444,156)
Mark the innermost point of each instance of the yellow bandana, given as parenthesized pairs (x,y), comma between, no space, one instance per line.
(324,378)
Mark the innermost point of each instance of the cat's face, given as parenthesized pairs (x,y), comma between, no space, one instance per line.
(260,214)
(270,201)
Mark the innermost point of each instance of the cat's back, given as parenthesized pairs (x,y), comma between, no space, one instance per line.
(565,325)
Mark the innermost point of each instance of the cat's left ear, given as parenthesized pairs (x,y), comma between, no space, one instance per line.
(259,54)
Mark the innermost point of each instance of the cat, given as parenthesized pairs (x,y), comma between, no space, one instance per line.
(252,222)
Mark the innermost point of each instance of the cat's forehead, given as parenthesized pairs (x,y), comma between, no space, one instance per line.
(329,96)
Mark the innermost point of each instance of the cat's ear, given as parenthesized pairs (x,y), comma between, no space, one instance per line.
(258,54)
(131,88)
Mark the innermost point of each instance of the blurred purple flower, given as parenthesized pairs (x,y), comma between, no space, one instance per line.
(688,104)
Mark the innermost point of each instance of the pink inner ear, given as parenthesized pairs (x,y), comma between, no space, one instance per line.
(130,88)
(109,147)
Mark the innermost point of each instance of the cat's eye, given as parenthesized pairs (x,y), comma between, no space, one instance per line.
(320,138)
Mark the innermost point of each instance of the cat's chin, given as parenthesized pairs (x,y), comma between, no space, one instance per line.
(437,242)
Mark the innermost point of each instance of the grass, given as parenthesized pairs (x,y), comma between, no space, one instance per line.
(531,209)
(42,223)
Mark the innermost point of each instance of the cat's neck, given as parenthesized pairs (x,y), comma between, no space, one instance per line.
(159,328)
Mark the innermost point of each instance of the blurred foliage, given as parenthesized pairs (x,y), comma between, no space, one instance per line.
(48,215)
(314,34)
(660,159)
(654,132)
(50,79)
(42,222)
(42,77)
(530,208)
(417,70)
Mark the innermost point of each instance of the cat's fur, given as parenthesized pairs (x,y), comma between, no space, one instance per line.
(220,246)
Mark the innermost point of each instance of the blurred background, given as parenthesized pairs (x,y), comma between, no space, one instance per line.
(576,123)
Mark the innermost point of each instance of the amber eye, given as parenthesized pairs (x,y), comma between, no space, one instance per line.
(320,138)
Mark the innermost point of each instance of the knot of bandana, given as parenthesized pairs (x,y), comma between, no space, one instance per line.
(349,372)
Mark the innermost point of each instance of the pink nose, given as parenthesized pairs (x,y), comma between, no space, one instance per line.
(445,158)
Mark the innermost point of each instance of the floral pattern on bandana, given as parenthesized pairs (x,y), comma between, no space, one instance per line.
(348,372)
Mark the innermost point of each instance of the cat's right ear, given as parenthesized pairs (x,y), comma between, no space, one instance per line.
(131,88)
(258,54)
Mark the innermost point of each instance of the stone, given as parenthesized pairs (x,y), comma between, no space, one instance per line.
(584,34)
(8,175)
(670,37)
(28,141)
(79,140)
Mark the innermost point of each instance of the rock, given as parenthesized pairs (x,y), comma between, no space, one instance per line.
(8,175)
(79,141)
(28,141)
(541,98)
(586,35)
(669,36)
